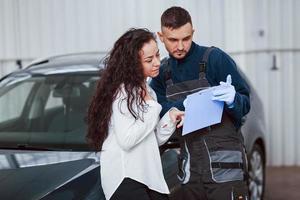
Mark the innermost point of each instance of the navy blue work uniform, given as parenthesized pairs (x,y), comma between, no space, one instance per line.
(212,161)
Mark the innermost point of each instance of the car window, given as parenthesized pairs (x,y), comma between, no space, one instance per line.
(4,164)
(49,111)
(12,101)
(53,102)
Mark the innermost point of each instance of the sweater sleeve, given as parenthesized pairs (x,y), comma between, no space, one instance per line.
(159,86)
(165,128)
(128,130)
(241,105)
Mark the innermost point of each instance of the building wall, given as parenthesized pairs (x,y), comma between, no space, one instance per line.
(270,59)
(253,32)
(32,28)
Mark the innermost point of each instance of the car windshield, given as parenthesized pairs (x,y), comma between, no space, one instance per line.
(39,111)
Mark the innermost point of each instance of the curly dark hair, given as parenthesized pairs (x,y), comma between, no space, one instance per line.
(122,66)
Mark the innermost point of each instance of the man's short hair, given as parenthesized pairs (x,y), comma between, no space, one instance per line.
(175,17)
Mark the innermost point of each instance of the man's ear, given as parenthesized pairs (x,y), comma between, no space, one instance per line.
(161,36)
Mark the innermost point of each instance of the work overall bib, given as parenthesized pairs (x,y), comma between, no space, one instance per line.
(212,162)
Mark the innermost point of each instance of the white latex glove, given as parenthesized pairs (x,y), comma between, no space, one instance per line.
(185,102)
(226,92)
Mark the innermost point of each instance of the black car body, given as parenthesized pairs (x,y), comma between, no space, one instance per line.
(43,151)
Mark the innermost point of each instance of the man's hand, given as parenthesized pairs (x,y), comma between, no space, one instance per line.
(226,93)
(185,102)
(177,116)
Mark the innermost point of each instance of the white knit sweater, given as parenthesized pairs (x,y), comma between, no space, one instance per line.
(131,148)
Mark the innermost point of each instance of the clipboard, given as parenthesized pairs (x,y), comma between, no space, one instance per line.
(201,111)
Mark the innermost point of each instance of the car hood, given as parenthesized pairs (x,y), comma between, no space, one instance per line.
(33,175)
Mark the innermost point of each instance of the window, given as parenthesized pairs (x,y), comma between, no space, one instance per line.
(13,101)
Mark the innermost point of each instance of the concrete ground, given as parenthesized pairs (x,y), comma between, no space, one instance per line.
(282,183)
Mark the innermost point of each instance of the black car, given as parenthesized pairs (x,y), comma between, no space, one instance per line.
(43,150)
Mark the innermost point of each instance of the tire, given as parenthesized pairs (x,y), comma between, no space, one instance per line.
(256,173)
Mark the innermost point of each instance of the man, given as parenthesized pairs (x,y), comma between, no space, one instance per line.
(212,161)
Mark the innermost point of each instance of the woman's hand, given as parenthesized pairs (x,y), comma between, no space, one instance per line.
(177,116)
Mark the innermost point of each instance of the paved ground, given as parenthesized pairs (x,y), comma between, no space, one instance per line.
(283,183)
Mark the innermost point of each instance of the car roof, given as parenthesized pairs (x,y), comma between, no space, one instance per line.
(79,63)
(65,58)
(75,62)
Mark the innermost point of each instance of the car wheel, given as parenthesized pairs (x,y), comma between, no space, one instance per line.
(256,173)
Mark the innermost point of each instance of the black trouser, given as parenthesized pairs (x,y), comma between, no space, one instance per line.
(133,190)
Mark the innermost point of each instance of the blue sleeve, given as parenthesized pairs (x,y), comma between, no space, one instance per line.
(159,86)
(224,66)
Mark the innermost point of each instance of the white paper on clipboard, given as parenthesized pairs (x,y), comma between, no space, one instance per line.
(201,111)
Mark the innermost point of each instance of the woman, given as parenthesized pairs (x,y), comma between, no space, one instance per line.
(123,121)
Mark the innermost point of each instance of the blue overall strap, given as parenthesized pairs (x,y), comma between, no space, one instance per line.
(167,71)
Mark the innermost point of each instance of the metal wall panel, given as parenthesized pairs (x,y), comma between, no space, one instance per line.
(271,29)
(7,66)
(253,32)
(8,29)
